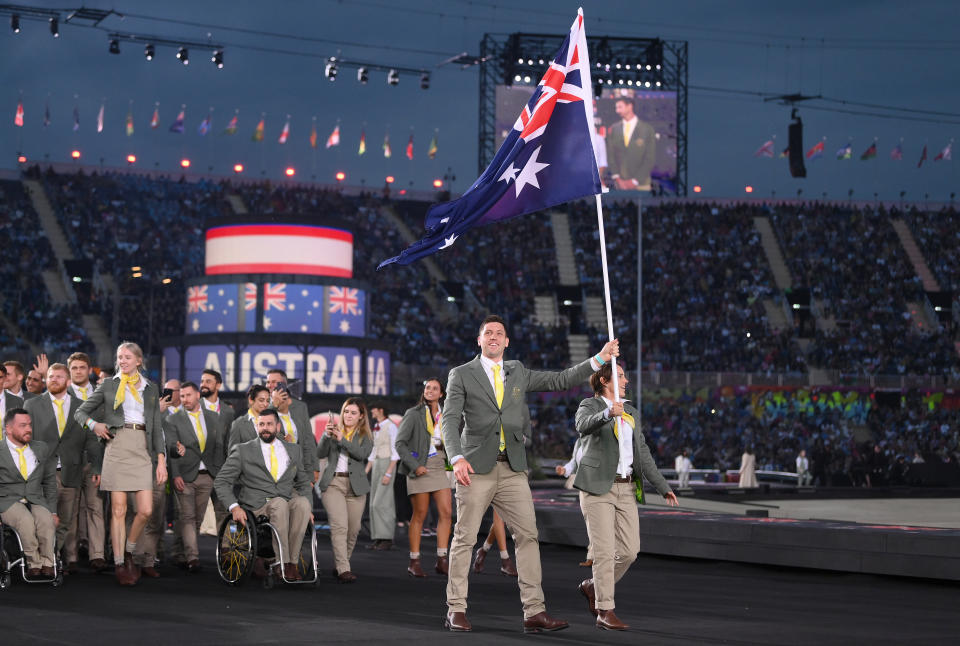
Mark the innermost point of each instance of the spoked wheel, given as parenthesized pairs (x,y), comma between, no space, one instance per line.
(236,550)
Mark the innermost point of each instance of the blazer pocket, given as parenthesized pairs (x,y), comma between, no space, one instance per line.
(590,461)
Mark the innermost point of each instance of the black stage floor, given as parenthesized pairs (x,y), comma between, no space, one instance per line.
(666,601)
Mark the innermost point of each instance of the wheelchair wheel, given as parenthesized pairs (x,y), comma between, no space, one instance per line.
(236,549)
(308,555)
(6,579)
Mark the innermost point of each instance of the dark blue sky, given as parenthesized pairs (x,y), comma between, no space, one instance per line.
(880,52)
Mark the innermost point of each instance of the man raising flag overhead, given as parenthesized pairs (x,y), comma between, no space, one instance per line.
(547,159)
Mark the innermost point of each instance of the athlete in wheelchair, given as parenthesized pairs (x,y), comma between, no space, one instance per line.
(28,504)
(266,488)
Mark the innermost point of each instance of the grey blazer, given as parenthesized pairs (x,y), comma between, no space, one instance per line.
(179,428)
(245,467)
(470,396)
(104,396)
(601,451)
(305,437)
(242,430)
(70,446)
(12,400)
(39,489)
(224,420)
(358,450)
(413,440)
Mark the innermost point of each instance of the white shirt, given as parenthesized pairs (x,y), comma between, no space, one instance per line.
(575,460)
(682,463)
(19,394)
(803,465)
(133,409)
(32,462)
(82,392)
(289,426)
(386,426)
(625,463)
(173,409)
(206,434)
(283,459)
(214,406)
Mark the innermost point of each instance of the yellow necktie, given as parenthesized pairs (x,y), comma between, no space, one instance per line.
(22,460)
(288,427)
(83,394)
(626,135)
(127,381)
(498,391)
(61,420)
(200,436)
(274,469)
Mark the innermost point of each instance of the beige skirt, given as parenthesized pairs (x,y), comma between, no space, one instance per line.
(435,479)
(126,463)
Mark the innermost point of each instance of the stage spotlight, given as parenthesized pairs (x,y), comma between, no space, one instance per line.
(748,189)
(55,27)
(185,163)
(390,179)
(620,81)
(15,23)
(629,81)
(330,69)
(75,154)
(540,61)
(658,84)
(647,84)
(648,68)
(183,55)
(529,61)
(22,159)
(609,81)
(149,52)
(131,159)
(238,168)
(517,78)
(697,188)
(627,66)
(520,61)
(438,183)
(290,171)
(218,58)
(114,46)
(526,79)
(425,81)
(393,77)
(618,65)
(340,176)
(363,75)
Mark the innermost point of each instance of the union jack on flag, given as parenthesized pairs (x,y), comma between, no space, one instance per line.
(274,296)
(250,296)
(547,159)
(197,299)
(344,300)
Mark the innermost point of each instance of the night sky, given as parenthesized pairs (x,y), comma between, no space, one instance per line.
(873,52)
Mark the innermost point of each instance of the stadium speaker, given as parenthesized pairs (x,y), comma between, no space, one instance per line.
(795,137)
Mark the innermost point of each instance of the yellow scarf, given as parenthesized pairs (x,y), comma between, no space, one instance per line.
(127,381)
(348,434)
(256,418)
(430,422)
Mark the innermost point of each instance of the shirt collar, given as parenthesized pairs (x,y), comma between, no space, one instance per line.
(490,363)
(54,397)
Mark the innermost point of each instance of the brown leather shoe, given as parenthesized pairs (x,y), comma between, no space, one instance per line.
(415,570)
(457,622)
(384,545)
(150,572)
(478,559)
(125,575)
(47,572)
(607,620)
(507,567)
(346,577)
(73,568)
(542,622)
(442,566)
(586,563)
(98,565)
(33,573)
(291,573)
(587,590)
(133,570)
(260,567)
(193,566)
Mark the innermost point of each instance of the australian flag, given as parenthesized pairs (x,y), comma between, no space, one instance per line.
(547,158)
(224,307)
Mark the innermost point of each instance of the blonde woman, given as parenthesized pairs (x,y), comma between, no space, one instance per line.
(423,461)
(346,445)
(135,455)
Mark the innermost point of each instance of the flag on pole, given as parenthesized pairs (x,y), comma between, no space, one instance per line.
(258,131)
(46,115)
(547,158)
(766,150)
(231,128)
(100,118)
(410,147)
(313,133)
(177,125)
(817,150)
(386,146)
(334,138)
(18,118)
(897,153)
(155,119)
(76,118)
(363,143)
(285,133)
(923,156)
(870,152)
(432,151)
(846,152)
(946,154)
(204,126)
(130,120)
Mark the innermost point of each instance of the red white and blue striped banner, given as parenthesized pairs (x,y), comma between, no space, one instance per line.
(279,249)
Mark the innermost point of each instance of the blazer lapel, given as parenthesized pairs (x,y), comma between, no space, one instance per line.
(476,368)
(6,460)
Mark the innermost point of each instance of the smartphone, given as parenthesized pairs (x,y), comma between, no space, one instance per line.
(167,394)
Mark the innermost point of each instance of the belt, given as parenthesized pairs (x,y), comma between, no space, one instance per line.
(136,427)
(619,480)
(203,472)
(502,457)
(342,474)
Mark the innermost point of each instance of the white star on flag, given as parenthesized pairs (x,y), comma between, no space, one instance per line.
(266,323)
(529,173)
(344,326)
(510,173)
(448,242)
(195,325)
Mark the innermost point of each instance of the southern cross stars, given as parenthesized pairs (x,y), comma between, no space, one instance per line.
(526,176)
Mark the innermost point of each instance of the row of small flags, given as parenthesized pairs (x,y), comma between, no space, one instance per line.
(846,152)
(259,132)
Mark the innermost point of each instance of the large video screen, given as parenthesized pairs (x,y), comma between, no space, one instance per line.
(636,142)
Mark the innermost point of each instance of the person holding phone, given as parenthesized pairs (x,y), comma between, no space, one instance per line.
(135,456)
(423,461)
(346,445)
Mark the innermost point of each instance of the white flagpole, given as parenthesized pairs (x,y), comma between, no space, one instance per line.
(606,295)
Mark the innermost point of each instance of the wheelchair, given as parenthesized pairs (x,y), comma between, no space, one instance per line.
(11,556)
(238,547)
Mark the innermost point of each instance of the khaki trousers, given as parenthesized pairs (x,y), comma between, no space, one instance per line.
(151,540)
(383,510)
(91,506)
(193,505)
(36,530)
(290,517)
(68,504)
(509,492)
(344,513)
(613,525)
